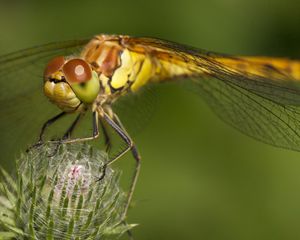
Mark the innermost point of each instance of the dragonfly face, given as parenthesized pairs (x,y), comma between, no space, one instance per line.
(70,84)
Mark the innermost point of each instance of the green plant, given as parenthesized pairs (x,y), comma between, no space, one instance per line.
(59,197)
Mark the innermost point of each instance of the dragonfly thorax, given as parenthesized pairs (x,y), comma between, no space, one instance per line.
(119,68)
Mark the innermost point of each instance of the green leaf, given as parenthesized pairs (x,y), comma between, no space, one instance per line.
(9,180)
(118,229)
(7,235)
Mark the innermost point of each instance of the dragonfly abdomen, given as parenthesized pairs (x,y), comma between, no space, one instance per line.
(267,67)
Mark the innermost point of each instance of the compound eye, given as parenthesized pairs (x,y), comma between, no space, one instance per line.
(77,71)
(54,65)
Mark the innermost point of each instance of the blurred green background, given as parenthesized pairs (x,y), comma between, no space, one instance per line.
(200,178)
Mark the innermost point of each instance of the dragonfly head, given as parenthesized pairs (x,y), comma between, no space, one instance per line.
(70,83)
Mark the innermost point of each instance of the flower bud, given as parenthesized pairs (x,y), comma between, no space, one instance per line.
(68,195)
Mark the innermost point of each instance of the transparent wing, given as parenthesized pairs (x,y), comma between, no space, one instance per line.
(141,106)
(264,106)
(23,108)
(258,117)
(262,100)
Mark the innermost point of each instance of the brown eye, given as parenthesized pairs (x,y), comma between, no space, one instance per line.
(53,66)
(77,71)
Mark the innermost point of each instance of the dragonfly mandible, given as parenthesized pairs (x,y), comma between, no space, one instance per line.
(258,95)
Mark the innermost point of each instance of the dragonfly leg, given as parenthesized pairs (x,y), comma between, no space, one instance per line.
(67,134)
(44,127)
(48,123)
(117,126)
(74,140)
(134,149)
(104,167)
(70,130)
(106,137)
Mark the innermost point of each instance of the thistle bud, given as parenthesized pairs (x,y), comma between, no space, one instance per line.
(70,195)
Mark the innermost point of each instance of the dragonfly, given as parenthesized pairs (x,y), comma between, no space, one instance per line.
(258,95)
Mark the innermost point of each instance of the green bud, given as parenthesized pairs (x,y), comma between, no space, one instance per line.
(59,197)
